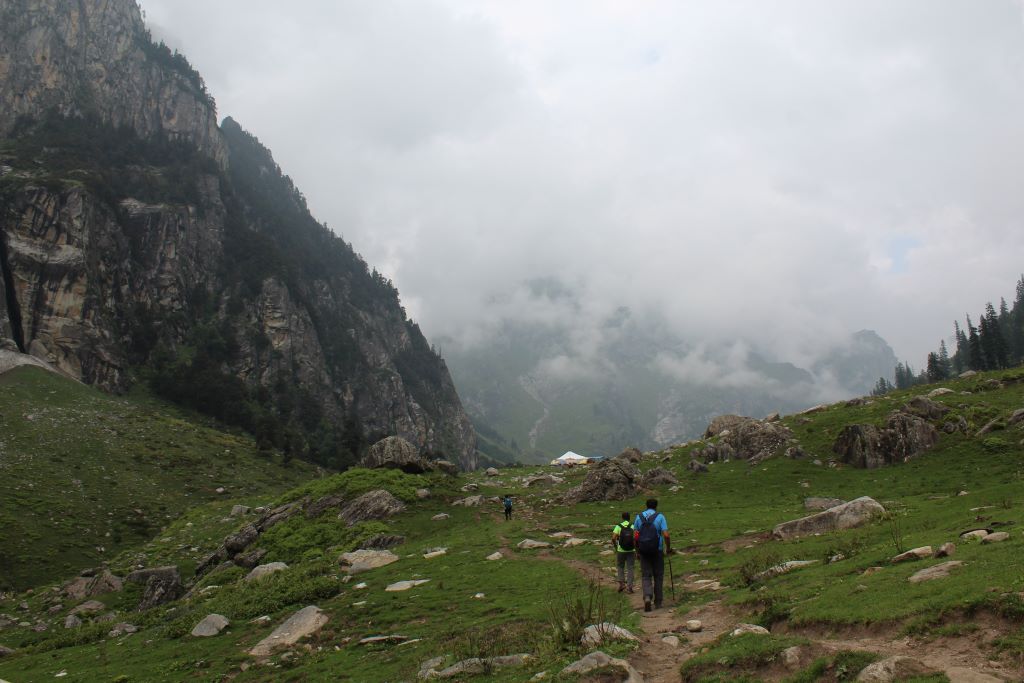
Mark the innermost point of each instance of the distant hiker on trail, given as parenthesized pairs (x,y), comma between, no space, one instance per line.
(624,545)
(507,502)
(652,544)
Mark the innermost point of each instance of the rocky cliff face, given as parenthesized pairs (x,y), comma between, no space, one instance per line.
(140,240)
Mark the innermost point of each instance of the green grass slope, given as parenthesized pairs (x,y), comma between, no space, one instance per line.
(535,602)
(84,475)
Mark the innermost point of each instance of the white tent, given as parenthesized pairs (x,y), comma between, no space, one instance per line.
(570,458)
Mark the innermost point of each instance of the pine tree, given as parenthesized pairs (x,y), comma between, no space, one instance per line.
(993,344)
(975,358)
(961,354)
(947,366)
(1015,335)
(882,387)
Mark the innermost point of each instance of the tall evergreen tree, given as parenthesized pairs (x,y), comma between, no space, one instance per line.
(935,370)
(993,344)
(975,358)
(1015,334)
(947,366)
(961,353)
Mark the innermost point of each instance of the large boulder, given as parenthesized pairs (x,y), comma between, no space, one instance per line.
(846,516)
(895,669)
(924,407)
(903,437)
(659,476)
(723,423)
(755,440)
(614,479)
(210,626)
(394,452)
(377,504)
(359,561)
(265,570)
(162,585)
(90,586)
(306,621)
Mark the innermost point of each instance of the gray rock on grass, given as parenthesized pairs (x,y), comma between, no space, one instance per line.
(378,504)
(394,452)
(596,634)
(938,571)
(599,660)
(849,515)
(895,669)
(306,621)
(211,625)
(359,561)
(265,570)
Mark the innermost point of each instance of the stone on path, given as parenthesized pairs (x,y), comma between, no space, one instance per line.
(495,556)
(742,629)
(529,543)
(961,675)
(670,640)
(306,621)
(996,537)
(265,570)
(846,516)
(939,571)
(596,634)
(405,585)
(694,626)
(914,554)
(894,669)
(211,625)
(598,660)
(359,561)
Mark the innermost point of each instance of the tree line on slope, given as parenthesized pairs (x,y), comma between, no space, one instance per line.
(996,342)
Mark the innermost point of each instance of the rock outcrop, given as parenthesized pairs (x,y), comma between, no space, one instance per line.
(378,504)
(128,253)
(394,452)
(903,437)
(614,479)
(846,516)
(306,621)
(160,585)
(659,476)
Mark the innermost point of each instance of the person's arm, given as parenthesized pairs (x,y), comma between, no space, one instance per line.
(664,533)
(615,538)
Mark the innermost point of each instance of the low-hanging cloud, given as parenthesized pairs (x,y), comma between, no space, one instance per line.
(774,174)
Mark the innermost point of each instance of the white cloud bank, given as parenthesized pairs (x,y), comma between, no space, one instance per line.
(783,173)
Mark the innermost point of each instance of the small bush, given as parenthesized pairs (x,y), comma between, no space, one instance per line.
(754,565)
(570,614)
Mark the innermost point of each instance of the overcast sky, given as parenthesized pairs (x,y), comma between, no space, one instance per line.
(786,172)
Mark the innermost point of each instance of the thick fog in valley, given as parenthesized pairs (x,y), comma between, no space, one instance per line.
(755,181)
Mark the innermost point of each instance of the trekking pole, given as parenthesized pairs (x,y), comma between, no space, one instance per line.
(671,578)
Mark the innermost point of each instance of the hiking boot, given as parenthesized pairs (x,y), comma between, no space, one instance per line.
(647,605)
(630,590)
(657,605)
(622,587)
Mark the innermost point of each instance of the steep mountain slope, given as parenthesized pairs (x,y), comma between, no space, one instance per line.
(84,475)
(845,604)
(139,240)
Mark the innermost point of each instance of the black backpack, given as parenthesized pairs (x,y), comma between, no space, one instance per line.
(648,542)
(626,540)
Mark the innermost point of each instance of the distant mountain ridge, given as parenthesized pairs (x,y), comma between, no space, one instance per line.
(142,241)
(645,387)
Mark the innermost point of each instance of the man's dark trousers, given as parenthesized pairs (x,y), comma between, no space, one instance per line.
(653,569)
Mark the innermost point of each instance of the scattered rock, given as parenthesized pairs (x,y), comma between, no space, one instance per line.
(672,641)
(265,570)
(658,476)
(903,437)
(240,510)
(324,504)
(946,550)
(405,585)
(913,554)
(975,534)
(723,423)
(96,583)
(306,621)
(470,487)
(573,542)
(741,629)
(211,625)
(894,669)
(492,472)
(422,494)
(72,621)
(240,540)
(359,561)
(1016,418)
(695,466)
(542,479)
(383,640)
(966,374)
(795,453)
(598,660)
(922,406)
(846,516)
(445,467)
(441,517)
(394,452)
(694,626)
(250,559)
(162,584)
(939,571)
(378,504)
(435,553)
(5,651)
(989,426)
(783,568)
(495,556)
(941,391)
(596,634)
(476,666)
(996,537)
(469,502)
(815,503)
(614,479)
(529,544)
(792,657)
(122,630)
(89,607)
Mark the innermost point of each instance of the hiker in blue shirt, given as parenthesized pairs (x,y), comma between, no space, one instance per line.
(507,503)
(652,544)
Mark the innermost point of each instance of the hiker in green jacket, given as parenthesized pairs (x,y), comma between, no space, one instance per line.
(624,545)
